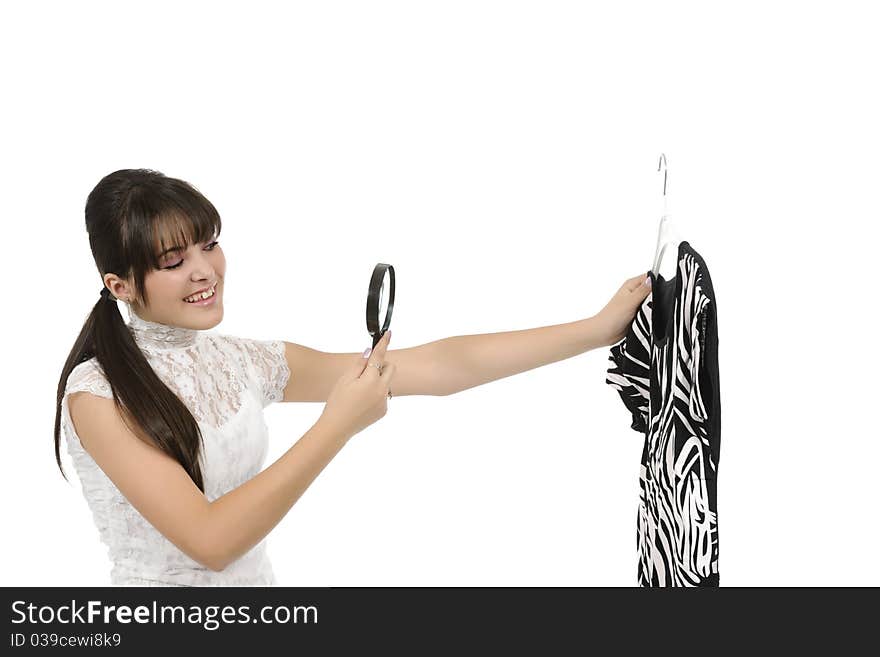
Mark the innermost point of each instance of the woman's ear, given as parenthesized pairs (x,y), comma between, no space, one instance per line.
(119,287)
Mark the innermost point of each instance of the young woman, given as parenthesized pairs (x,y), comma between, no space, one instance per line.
(164,419)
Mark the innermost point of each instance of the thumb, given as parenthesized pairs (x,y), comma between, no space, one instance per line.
(642,289)
(644,284)
(636,283)
(358,365)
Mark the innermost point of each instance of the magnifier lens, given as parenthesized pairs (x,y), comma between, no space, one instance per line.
(383,299)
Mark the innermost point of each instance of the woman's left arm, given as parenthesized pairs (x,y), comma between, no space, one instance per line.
(466,361)
(450,365)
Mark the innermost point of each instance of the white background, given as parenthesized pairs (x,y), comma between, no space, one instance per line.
(502,156)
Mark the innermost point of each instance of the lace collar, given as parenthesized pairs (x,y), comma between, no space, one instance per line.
(152,335)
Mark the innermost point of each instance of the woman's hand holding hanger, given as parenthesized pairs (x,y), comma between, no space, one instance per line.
(614,320)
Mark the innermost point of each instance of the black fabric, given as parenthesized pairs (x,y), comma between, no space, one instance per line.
(666,373)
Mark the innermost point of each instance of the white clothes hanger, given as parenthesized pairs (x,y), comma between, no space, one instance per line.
(665,229)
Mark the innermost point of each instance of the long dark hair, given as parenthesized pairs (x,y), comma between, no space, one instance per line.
(131,216)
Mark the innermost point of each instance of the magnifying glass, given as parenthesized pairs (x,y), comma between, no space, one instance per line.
(380,301)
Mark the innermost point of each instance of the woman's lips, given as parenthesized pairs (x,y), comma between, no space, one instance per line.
(204,289)
(204,302)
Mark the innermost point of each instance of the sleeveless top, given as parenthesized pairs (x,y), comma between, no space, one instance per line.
(666,373)
(225,382)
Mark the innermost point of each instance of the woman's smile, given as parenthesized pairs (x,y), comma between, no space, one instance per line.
(200,299)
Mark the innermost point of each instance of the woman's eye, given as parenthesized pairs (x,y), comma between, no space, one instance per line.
(210,247)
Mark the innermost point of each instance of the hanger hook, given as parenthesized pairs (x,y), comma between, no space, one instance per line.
(662,163)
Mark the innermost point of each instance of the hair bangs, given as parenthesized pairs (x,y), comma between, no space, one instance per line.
(178,230)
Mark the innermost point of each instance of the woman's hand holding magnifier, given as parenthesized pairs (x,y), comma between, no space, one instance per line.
(360,396)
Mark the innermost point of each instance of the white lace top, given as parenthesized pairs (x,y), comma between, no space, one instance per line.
(226,382)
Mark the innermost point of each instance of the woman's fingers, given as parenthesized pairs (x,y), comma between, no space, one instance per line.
(377,356)
(632,284)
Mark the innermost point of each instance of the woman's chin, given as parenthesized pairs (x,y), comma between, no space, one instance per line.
(205,316)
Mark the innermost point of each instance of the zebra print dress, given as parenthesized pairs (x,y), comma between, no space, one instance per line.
(666,372)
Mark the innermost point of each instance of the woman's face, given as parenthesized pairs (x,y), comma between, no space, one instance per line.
(182,274)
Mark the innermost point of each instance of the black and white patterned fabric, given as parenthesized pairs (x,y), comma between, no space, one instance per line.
(666,372)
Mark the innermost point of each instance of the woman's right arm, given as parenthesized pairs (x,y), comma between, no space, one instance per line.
(212,533)
(217,533)
(245,515)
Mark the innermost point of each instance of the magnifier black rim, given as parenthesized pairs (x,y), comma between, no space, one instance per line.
(373,299)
